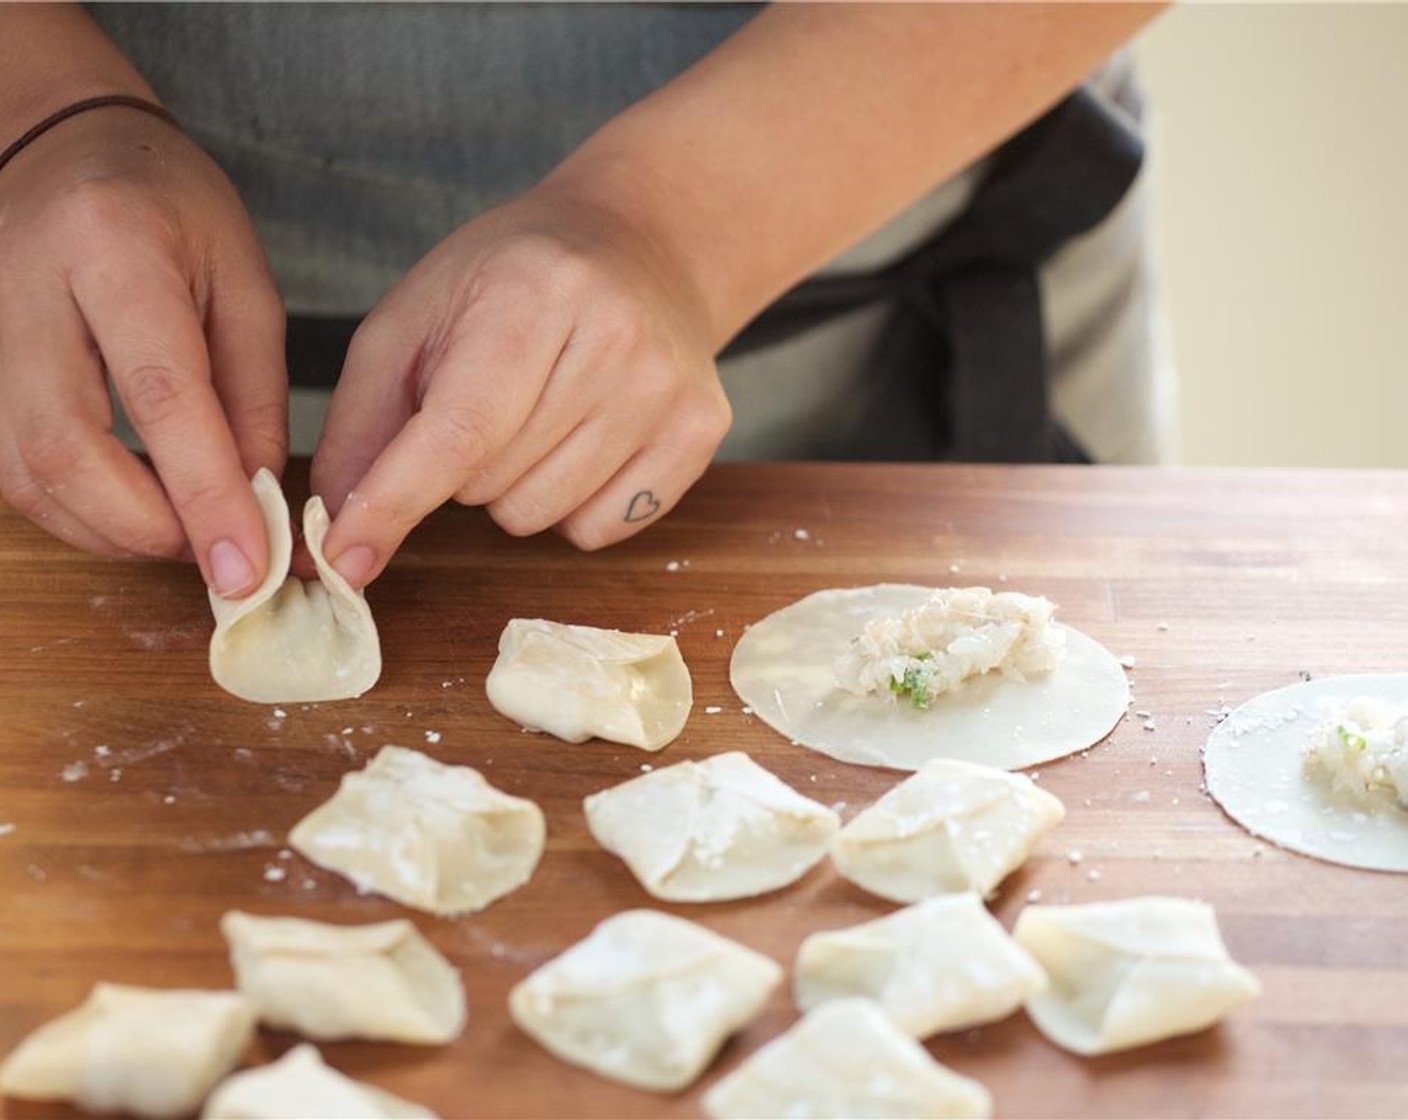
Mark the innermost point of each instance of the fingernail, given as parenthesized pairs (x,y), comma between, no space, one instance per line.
(355,565)
(230,570)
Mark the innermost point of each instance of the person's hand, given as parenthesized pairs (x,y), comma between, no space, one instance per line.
(125,253)
(546,360)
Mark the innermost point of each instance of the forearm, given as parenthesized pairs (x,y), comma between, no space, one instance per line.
(52,55)
(817,123)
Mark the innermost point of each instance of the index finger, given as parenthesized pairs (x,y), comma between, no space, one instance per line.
(143,318)
(479,396)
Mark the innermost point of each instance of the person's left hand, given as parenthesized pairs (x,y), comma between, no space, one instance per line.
(546,360)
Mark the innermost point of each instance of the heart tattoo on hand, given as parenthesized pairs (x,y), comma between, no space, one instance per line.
(644,505)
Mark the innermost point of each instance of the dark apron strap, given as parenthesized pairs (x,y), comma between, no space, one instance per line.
(315,347)
(975,283)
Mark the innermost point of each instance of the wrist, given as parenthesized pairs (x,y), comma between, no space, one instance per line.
(77,108)
(645,208)
(52,57)
(20,113)
(630,207)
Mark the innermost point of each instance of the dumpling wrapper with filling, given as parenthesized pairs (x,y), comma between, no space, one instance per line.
(301,1084)
(645,999)
(438,838)
(953,826)
(383,981)
(843,1060)
(785,668)
(944,964)
(713,830)
(1127,973)
(289,641)
(579,682)
(1255,769)
(144,1051)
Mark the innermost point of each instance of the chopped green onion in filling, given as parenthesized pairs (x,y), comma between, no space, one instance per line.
(1350,739)
(915,682)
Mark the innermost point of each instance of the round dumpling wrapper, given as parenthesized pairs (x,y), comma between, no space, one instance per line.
(1254,770)
(784,668)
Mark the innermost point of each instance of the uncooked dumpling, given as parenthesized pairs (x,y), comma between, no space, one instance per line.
(952,826)
(1004,686)
(707,831)
(944,964)
(382,981)
(844,1060)
(646,999)
(301,1084)
(149,1052)
(290,641)
(1320,768)
(578,682)
(436,837)
(1128,973)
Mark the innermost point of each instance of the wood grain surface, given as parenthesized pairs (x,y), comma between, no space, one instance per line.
(146,802)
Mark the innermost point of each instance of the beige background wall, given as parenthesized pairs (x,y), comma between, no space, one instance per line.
(1281,147)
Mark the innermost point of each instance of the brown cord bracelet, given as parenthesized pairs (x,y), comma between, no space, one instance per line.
(119,99)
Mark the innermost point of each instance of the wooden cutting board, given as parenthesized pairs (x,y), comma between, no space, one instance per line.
(145,802)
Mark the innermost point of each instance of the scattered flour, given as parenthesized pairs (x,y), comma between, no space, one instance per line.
(236,842)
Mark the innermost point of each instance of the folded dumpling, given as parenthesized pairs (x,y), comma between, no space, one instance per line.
(383,981)
(578,682)
(148,1052)
(843,1060)
(301,1084)
(436,837)
(953,826)
(944,964)
(291,641)
(1127,973)
(646,999)
(712,830)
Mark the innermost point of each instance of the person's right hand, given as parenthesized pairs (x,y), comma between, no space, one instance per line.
(126,254)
